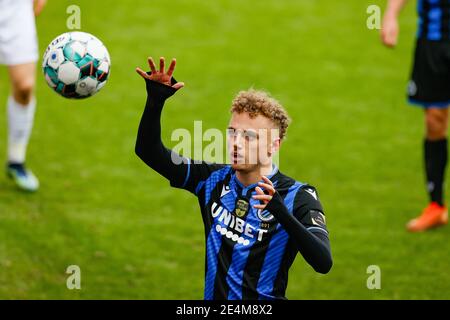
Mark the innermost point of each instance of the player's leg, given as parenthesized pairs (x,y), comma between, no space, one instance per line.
(20,109)
(428,88)
(19,51)
(435,152)
(435,157)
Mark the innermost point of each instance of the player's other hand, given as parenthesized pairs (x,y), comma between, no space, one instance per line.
(264,198)
(389,31)
(161,76)
(39,6)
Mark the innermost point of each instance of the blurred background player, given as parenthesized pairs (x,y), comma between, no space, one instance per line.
(19,52)
(429,87)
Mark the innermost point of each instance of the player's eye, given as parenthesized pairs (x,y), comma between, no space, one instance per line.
(250,135)
(231,132)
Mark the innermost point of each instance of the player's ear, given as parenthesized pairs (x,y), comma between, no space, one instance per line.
(275,145)
(276,141)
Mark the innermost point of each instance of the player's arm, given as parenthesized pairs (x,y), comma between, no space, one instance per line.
(314,245)
(149,145)
(39,6)
(179,170)
(390,28)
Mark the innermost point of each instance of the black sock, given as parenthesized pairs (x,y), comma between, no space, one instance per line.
(435,163)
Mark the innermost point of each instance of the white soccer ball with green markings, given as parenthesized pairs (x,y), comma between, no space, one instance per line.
(76,65)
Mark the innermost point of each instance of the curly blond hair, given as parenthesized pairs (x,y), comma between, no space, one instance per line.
(257,102)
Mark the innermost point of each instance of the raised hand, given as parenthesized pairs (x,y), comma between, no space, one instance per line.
(161,76)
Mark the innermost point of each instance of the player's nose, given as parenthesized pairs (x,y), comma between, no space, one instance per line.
(237,144)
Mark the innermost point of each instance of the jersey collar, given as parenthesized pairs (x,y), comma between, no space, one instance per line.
(243,190)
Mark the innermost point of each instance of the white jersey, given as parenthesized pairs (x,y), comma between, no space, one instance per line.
(18,38)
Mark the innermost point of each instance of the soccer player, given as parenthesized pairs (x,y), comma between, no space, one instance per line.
(429,88)
(19,52)
(256,218)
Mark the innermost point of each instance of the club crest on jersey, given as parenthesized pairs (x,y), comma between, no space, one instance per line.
(318,219)
(241,207)
(264,215)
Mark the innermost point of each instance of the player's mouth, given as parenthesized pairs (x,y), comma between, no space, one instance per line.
(237,158)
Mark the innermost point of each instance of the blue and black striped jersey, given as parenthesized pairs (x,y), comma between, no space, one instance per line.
(434,19)
(248,253)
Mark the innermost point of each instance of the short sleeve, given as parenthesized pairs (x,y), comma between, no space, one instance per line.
(308,209)
(195,173)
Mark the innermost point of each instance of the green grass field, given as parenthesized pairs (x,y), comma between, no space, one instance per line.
(134,237)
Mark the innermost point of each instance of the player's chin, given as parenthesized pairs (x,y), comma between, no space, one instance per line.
(243,167)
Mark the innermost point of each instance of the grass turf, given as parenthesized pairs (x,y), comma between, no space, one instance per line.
(352,137)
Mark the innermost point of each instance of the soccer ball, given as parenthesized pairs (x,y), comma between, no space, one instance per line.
(76,65)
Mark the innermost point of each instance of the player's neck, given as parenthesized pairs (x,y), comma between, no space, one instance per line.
(250,177)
